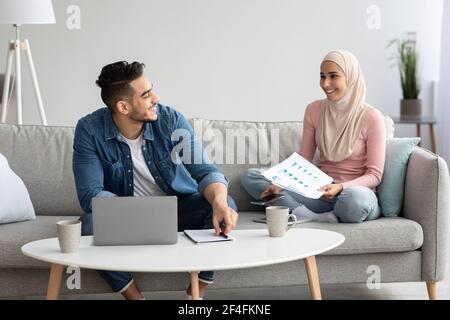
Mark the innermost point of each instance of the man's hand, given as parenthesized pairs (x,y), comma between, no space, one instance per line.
(226,217)
(331,190)
(272,189)
(223,215)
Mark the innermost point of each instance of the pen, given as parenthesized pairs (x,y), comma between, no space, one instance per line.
(221,231)
(223,235)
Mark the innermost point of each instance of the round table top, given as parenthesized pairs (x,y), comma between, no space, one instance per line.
(251,248)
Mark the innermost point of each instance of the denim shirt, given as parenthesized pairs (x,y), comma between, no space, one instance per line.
(102,162)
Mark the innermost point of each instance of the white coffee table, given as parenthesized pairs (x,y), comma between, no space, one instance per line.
(252,248)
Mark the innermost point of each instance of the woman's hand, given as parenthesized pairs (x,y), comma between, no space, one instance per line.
(331,190)
(272,189)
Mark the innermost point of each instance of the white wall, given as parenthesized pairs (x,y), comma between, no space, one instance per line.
(443,103)
(224,59)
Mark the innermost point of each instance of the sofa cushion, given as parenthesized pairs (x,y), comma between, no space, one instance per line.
(14,236)
(42,157)
(394,234)
(382,235)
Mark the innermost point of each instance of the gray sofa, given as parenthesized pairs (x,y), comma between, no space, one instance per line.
(409,248)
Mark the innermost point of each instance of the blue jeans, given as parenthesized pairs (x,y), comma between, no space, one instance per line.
(194,212)
(354,204)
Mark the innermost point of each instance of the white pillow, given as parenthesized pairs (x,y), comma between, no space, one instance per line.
(389,125)
(15,202)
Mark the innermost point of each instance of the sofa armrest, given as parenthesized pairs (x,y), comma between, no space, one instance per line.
(427,202)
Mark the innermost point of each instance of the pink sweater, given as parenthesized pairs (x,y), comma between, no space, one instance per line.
(364,167)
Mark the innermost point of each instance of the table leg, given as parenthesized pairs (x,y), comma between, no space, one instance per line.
(418,132)
(194,286)
(54,281)
(313,277)
(432,138)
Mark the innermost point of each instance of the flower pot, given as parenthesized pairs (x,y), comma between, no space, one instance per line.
(410,108)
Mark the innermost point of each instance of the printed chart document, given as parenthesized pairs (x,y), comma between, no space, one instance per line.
(206,235)
(298,175)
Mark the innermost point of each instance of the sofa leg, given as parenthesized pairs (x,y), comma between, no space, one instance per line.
(432,290)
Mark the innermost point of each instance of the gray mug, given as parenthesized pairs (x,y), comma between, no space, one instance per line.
(69,235)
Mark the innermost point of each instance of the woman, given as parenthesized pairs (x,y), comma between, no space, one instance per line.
(350,135)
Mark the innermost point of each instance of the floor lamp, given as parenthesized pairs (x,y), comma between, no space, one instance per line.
(17,13)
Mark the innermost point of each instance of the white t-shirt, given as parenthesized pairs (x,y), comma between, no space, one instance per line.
(144,183)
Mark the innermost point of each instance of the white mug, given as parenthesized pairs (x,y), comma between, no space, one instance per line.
(69,235)
(277,218)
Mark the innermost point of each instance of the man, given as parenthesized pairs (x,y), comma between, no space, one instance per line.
(138,147)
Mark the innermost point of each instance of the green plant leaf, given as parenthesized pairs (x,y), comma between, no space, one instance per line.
(406,58)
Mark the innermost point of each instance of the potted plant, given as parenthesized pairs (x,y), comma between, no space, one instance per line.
(406,59)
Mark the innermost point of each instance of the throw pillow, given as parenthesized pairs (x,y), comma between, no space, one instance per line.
(389,127)
(391,189)
(15,203)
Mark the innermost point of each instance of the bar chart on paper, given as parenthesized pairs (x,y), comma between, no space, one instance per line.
(298,175)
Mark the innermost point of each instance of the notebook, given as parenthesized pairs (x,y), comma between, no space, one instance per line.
(206,235)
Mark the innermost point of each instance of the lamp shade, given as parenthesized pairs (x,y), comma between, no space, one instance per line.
(26,11)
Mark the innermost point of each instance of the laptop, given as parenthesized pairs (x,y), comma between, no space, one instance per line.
(121,221)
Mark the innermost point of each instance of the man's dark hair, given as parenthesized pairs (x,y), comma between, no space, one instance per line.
(114,80)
